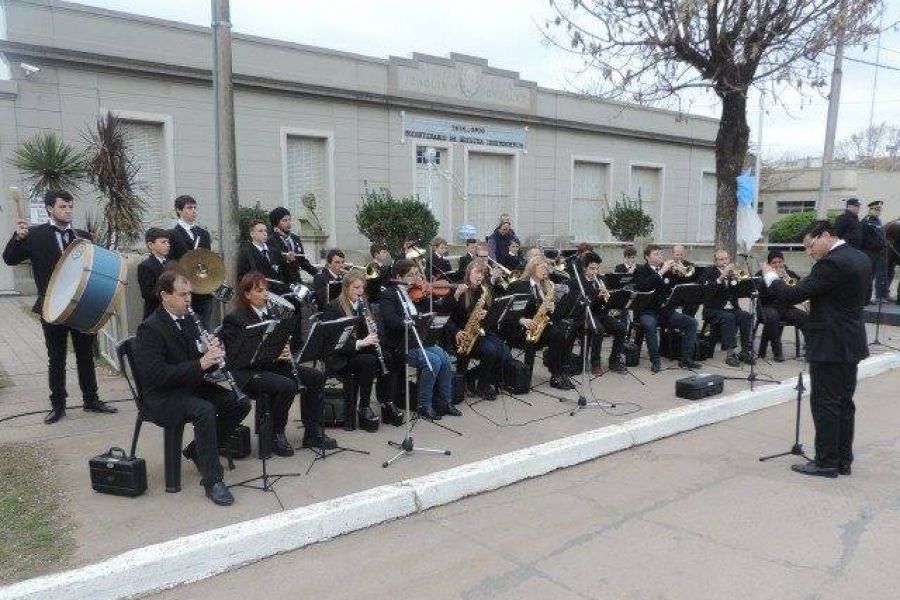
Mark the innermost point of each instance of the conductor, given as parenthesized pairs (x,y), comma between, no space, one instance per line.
(837,288)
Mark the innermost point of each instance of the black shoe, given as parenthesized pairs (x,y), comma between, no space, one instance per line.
(190,453)
(844,469)
(429,413)
(617,367)
(811,468)
(368,420)
(316,438)
(450,410)
(488,392)
(745,357)
(280,446)
(471,390)
(561,382)
(54,415)
(655,367)
(689,363)
(391,415)
(732,360)
(778,358)
(99,406)
(219,494)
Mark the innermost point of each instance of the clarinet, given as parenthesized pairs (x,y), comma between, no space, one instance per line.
(239,395)
(372,327)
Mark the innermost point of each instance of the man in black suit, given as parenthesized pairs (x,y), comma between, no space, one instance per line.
(835,341)
(187,235)
(329,277)
(43,245)
(260,257)
(440,266)
(629,264)
(289,246)
(846,226)
(469,256)
(721,309)
(655,276)
(773,313)
(606,323)
(157,240)
(171,366)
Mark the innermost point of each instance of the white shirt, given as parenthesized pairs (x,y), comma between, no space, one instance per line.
(58,233)
(195,239)
(539,288)
(161,259)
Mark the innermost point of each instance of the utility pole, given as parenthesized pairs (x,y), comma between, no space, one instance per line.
(759,149)
(834,99)
(226,158)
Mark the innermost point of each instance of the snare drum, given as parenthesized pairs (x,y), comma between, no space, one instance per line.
(85,287)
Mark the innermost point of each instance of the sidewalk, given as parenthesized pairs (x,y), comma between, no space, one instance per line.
(108,525)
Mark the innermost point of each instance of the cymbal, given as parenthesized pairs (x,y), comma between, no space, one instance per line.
(204,269)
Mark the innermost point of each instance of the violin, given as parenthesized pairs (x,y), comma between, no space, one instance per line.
(421,289)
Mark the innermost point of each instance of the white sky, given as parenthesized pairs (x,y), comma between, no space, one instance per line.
(506,33)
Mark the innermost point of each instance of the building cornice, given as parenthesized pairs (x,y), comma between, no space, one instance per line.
(103,62)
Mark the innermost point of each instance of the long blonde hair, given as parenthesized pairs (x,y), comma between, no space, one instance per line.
(532,265)
(349,278)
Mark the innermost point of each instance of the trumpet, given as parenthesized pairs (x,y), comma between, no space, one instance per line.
(373,270)
(732,271)
(787,279)
(508,276)
(681,269)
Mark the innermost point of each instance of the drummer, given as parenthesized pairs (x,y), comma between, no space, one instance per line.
(43,245)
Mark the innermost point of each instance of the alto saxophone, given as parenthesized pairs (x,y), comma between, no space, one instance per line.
(540,320)
(473,330)
(372,328)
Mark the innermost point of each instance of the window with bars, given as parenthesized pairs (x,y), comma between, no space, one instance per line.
(420,155)
(146,142)
(307,172)
(759,207)
(787,207)
(489,186)
(590,189)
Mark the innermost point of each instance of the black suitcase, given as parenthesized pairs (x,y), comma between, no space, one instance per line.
(459,388)
(632,353)
(333,407)
(516,377)
(697,387)
(238,445)
(114,472)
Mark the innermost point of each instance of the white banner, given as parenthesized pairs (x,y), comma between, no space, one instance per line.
(446,130)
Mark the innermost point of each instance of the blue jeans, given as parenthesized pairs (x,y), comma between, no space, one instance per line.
(672,320)
(440,379)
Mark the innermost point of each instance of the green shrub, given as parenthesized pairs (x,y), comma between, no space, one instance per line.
(627,219)
(248,214)
(789,229)
(386,220)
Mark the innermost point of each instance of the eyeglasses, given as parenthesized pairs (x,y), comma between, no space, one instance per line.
(809,244)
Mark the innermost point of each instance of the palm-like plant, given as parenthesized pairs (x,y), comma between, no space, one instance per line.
(110,168)
(47,163)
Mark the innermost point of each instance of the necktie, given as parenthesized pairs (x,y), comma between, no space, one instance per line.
(265,254)
(195,236)
(65,236)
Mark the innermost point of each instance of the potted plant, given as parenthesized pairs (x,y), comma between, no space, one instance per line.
(47,163)
(387,220)
(627,220)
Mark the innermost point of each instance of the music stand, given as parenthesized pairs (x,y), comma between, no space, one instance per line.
(326,337)
(412,325)
(259,345)
(615,281)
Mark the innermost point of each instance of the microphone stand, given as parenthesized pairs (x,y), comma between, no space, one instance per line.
(407,446)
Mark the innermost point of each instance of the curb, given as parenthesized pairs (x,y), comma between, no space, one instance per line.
(195,557)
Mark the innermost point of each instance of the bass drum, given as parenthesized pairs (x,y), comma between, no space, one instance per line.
(85,287)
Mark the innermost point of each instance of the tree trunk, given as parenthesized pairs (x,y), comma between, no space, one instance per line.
(731,150)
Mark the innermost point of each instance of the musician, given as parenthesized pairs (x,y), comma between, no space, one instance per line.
(535,282)
(774,313)
(276,379)
(157,240)
(289,246)
(361,359)
(491,351)
(470,255)
(836,336)
(598,295)
(440,266)
(381,259)
(679,255)
(655,276)
(720,308)
(187,235)
(846,225)
(513,261)
(395,304)
(43,245)
(873,242)
(172,367)
(629,264)
(576,261)
(333,272)
(258,256)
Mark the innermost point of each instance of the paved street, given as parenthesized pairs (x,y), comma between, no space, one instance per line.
(694,516)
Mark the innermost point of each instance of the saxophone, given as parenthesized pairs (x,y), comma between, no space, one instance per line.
(540,320)
(372,327)
(473,330)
